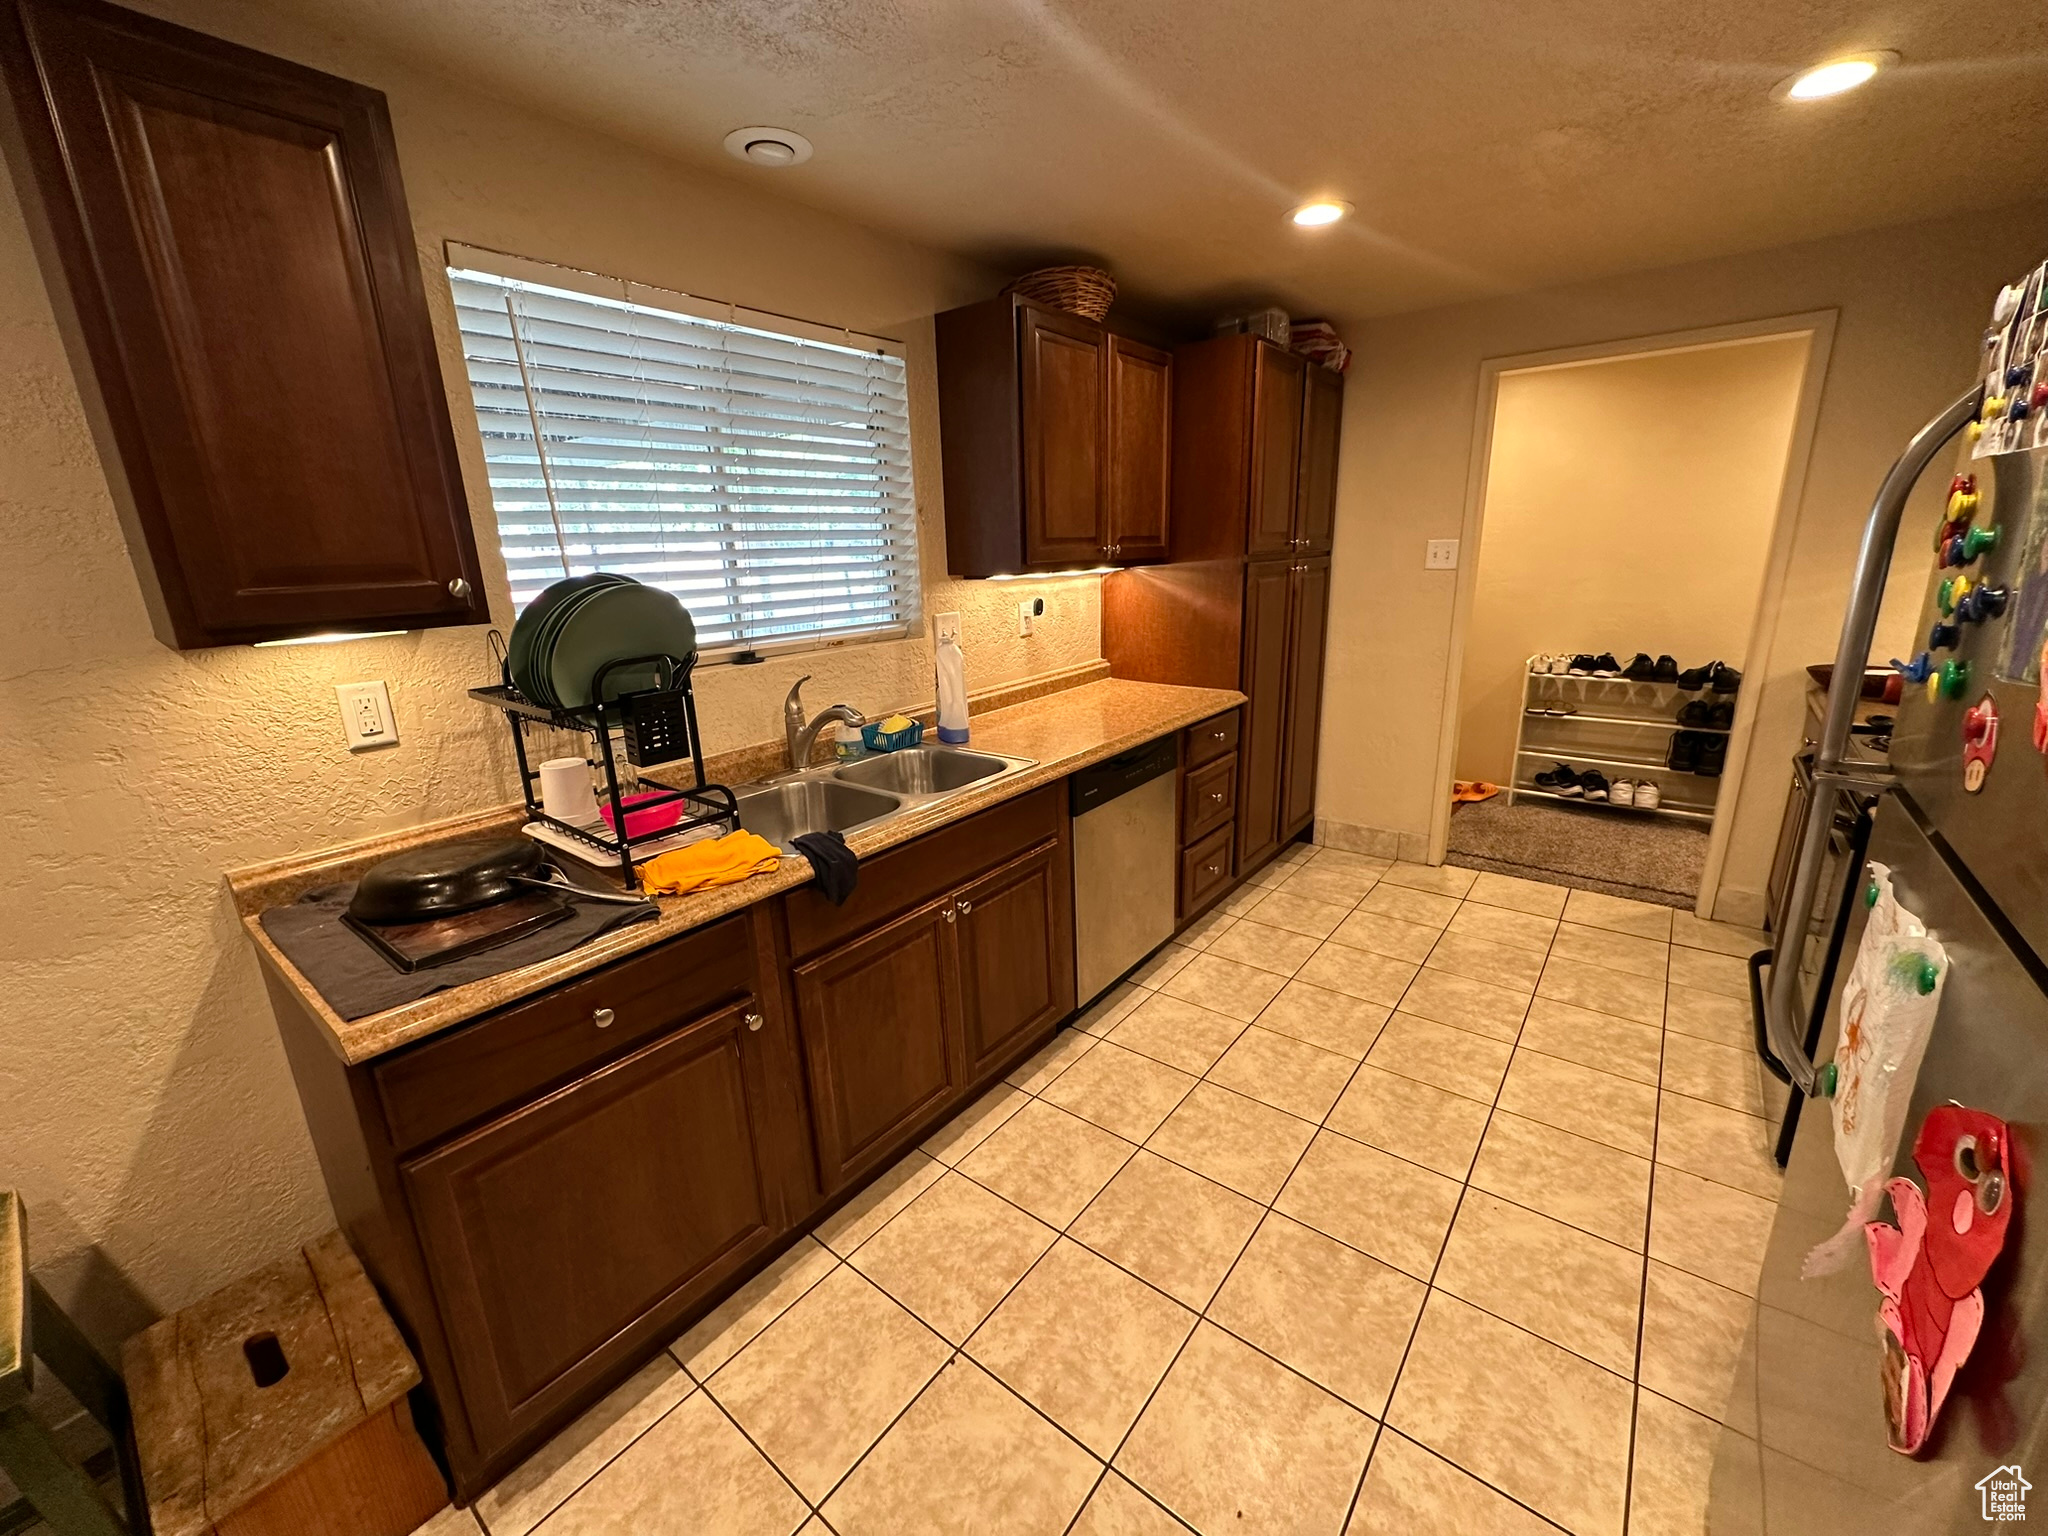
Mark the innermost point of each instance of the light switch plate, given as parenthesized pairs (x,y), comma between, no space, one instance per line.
(946,626)
(1026,616)
(1442,555)
(366,718)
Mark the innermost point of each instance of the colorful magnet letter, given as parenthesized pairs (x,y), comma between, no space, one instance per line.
(1979,541)
(1930,1268)
(1982,602)
(1980,742)
(1918,670)
(1944,636)
(1951,681)
(1950,594)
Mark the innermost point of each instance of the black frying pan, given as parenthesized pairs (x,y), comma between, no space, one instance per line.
(439,882)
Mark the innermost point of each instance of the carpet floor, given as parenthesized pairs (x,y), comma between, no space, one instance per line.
(1647,858)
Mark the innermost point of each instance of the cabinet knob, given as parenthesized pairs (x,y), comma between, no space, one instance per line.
(602,1018)
(458,588)
(754,1021)
(1208,869)
(1217,797)
(1216,735)
(966,907)
(952,914)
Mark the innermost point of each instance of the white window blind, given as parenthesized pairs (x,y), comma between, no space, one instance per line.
(757,467)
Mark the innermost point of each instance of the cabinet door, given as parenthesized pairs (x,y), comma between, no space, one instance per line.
(576,1231)
(230,236)
(1276,436)
(1066,520)
(1015,939)
(1322,419)
(1261,747)
(1308,615)
(1140,449)
(881,1038)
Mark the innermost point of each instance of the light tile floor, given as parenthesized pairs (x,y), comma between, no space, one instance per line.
(1392,1200)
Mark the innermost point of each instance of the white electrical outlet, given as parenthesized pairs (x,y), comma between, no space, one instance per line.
(1026,614)
(945,626)
(1442,555)
(366,718)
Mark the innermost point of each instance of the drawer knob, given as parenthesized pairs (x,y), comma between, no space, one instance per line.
(966,907)
(1208,869)
(1217,797)
(754,1021)
(952,914)
(602,1018)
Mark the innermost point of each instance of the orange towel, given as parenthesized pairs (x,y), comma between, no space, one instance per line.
(717,861)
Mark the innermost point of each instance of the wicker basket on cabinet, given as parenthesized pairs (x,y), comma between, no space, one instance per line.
(1084,291)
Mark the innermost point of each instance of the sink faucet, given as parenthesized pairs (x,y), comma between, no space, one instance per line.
(801,736)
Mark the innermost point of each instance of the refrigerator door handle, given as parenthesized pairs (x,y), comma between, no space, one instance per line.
(1782,1025)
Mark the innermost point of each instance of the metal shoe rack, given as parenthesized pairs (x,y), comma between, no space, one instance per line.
(655,726)
(1619,726)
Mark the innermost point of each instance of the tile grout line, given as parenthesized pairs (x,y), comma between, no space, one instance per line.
(1635,1405)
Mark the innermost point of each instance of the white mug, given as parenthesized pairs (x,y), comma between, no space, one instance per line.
(565,792)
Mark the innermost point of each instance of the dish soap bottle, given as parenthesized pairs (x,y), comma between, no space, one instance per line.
(952,669)
(847,744)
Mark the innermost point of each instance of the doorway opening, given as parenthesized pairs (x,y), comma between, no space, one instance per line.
(1629,523)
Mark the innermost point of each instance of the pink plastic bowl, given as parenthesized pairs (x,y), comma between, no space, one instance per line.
(640,823)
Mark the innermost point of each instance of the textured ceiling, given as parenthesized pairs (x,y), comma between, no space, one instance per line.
(1489,145)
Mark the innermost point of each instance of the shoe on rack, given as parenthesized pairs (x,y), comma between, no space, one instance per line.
(1713,757)
(1693,679)
(1560,665)
(1667,670)
(1604,665)
(1723,717)
(1641,669)
(1583,664)
(1648,796)
(1622,792)
(1560,781)
(1684,756)
(1593,785)
(1697,712)
(1540,663)
(1725,679)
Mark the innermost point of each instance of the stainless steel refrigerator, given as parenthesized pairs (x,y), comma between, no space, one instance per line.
(1805,1449)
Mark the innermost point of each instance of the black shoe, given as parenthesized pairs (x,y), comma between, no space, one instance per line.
(1684,756)
(1560,781)
(1593,785)
(1667,670)
(1723,717)
(1725,679)
(1583,665)
(1641,670)
(1698,712)
(1604,665)
(1693,679)
(1713,755)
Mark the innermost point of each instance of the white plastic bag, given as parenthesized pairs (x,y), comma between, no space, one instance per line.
(1888,1007)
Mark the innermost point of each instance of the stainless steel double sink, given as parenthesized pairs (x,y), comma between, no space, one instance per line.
(850,796)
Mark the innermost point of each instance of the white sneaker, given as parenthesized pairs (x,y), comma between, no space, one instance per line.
(1540,663)
(1647,796)
(1561,665)
(1622,792)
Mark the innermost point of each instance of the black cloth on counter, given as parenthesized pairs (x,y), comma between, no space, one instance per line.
(357,981)
(833,864)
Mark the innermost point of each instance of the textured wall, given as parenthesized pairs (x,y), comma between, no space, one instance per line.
(148,1114)
(1629,506)
(1911,301)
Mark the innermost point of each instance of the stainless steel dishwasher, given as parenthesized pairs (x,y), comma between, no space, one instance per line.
(1124,862)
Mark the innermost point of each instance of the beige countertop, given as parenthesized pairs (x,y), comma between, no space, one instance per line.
(1061,732)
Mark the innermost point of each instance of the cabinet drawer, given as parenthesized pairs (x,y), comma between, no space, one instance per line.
(905,878)
(1209,740)
(1208,798)
(511,1056)
(1205,871)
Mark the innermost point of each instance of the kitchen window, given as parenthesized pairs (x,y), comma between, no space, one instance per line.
(757,467)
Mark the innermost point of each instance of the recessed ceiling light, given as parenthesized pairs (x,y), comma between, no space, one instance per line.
(1834,77)
(768,146)
(1324,210)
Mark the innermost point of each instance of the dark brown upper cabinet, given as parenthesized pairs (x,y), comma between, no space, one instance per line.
(226,242)
(1056,440)
(1322,420)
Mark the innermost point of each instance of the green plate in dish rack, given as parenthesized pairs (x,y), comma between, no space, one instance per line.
(522,650)
(610,625)
(542,665)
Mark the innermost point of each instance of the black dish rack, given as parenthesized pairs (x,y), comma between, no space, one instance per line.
(656,725)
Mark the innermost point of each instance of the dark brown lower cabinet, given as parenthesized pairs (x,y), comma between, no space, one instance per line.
(880,1043)
(1261,753)
(1308,626)
(568,1235)
(1016,978)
